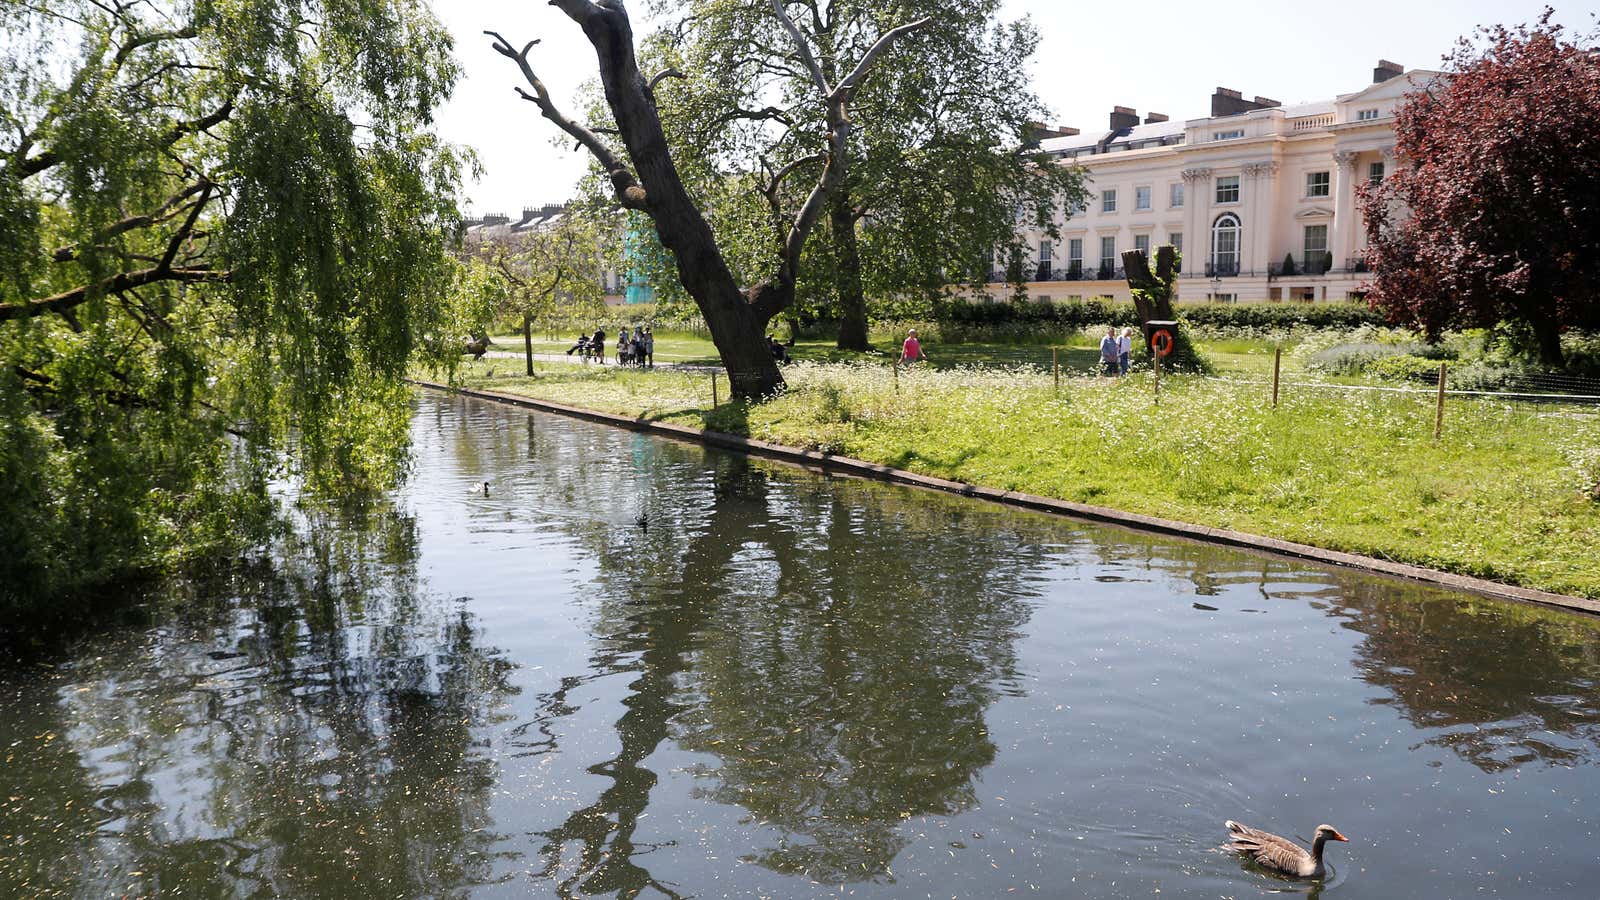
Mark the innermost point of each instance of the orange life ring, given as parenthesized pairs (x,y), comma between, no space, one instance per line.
(1161,342)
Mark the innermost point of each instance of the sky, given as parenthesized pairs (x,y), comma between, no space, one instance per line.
(1158,55)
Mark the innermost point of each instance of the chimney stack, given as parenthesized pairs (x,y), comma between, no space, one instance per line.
(1123,118)
(1387,70)
(1153,118)
(1226,102)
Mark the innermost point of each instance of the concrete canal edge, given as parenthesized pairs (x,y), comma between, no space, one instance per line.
(1102,514)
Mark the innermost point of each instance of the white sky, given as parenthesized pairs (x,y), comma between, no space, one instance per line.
(1161,55)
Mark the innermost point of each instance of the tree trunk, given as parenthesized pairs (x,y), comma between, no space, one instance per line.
(527,341)
(847,276)
(1548,334)
(738,327)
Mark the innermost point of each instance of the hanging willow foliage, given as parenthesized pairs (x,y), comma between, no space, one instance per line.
(223,224)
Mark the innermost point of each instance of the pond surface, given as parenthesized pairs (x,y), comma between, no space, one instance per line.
(642,668)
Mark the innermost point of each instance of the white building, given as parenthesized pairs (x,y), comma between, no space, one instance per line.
(1237,193)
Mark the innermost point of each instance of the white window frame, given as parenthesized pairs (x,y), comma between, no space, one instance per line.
(1075,254)
(1236,187)
(1142,242)
(1108,261)
(1176,240)
(1143,198)
(1175,195)
(1232,226)
(1108,200)
(1319,188)
(1376,172)
(1305,245)
(1232,134)
(1366,115)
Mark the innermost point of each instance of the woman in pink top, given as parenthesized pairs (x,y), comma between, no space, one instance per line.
(911,350)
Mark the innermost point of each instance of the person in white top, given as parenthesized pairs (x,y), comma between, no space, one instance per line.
(1125,349)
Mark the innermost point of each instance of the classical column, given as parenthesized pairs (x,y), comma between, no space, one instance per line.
(1345,224)
(1196,224)
(1262,203)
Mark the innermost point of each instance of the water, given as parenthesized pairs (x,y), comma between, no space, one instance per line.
(643,668)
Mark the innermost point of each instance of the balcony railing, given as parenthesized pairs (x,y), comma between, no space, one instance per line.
(1356,264)
(1222,270)
(1317,264)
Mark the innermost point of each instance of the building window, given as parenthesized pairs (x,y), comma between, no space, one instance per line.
(1177,195)
(1235,134)
(1366,115)
(1075,255)
(1375,173)
(1176,240)
(1141,242)
(1228,189)
(1141,198)
(1108,256)
(1223,298)
(1108,201)
(1225,245)
(1314,261)
(1044,251)
(1318,184)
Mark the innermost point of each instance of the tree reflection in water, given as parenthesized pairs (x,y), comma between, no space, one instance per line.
(315,736)
(840,698)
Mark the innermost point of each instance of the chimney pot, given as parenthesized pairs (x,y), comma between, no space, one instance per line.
(1123,117)
(1153,118)
(1387,70)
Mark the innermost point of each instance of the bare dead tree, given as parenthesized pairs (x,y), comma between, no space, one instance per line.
(737,317)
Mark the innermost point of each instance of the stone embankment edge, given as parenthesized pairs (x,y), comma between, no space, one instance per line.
(1136,521)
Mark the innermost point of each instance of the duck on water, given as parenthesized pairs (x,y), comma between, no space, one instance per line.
(1281,854)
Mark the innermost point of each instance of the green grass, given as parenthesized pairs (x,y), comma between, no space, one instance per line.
(1502,496)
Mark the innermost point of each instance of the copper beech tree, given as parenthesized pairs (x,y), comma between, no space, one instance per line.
(644,177)
(1494,214)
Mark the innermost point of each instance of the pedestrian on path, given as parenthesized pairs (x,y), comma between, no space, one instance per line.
(649,347)
(1110,352)
(597,345)
(1124,350)
(911,350)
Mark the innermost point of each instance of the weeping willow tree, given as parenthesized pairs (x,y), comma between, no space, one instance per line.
(224,232)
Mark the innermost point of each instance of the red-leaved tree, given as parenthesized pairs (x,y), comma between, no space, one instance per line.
(1494,213)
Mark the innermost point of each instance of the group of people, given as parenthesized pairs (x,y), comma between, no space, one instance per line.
(1115,352)
(635,348)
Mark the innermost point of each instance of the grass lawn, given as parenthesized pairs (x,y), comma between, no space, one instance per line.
(1502,496)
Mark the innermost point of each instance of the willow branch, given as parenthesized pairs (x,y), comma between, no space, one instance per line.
(848,86)
(64,302)
(802,47)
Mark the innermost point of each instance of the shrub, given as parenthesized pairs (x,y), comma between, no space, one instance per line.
(1353,359)
(1403,367)
(1288,264)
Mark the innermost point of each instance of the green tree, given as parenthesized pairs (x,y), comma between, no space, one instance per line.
(222,223)
(931,188)
(555,270)
(645,176)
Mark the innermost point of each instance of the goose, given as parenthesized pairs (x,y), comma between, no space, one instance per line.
(1281,854)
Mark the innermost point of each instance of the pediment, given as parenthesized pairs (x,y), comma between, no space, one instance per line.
(1314,212)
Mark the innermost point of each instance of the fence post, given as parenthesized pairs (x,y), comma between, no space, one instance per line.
(1156,359)
(714,390)
(1055,366)
(895,365)
(1277,360)
(1438,418)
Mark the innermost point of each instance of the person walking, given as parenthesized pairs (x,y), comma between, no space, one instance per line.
(649,347)
(1124,350)
(1110,351)
(911,350)
(597,345)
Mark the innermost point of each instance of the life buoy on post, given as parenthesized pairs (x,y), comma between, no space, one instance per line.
(1161,342)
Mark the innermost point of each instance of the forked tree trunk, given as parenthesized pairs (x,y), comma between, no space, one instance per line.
(737,319)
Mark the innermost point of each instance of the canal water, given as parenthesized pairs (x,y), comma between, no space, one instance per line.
(644,668)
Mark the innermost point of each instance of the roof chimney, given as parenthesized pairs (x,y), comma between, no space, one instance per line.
(1387,70)
(1153,118)
(1123,118)
(1266,103)
(1226,102)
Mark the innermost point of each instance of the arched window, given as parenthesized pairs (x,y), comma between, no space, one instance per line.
(1225,245)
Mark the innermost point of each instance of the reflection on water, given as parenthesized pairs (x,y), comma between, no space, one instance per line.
(639,668)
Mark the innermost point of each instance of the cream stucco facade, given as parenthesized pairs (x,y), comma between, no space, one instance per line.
(1237,193)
